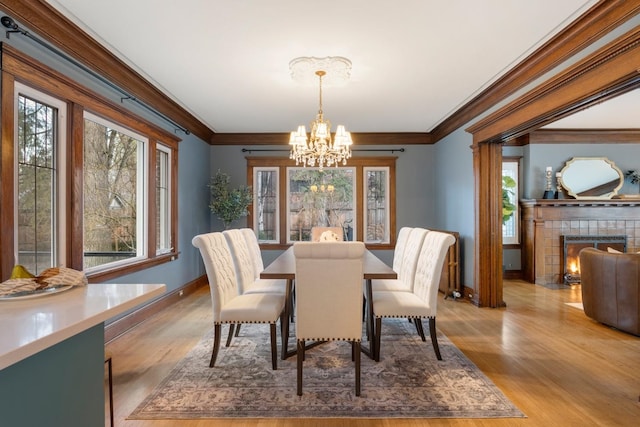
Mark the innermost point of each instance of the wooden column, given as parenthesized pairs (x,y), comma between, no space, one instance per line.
(487,170)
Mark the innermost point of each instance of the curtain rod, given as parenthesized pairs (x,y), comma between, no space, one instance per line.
(12,27)
(391,150)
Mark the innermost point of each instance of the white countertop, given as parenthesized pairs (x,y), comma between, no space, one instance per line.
(29,326)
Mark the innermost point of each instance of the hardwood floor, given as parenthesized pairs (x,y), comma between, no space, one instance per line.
(559,367)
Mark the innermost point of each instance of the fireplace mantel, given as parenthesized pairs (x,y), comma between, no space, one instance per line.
(545,220)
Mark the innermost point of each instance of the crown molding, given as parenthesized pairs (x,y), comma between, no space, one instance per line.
(584,136)
(593,24)
(55,28)
(364,138)
(45,20)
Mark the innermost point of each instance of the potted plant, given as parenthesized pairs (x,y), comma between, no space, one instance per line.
(633,176)
(508,208)
(229,204)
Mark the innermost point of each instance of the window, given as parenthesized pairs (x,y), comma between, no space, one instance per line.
(163,200)
(40,185)
(359,197)
(114,181)
(510,227)
(92,185)
(323,199)
(266,215)
(376,204)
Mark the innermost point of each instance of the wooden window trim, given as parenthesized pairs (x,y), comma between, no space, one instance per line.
(18,67)
(358,163)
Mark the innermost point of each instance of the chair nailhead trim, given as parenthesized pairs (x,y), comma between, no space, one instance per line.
(236,322)
(404,317)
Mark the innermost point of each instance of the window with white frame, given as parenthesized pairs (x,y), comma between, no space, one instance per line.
(510,227)
(163,199)
(114,193)
(40,195)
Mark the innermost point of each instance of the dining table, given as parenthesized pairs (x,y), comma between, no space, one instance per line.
(284,267)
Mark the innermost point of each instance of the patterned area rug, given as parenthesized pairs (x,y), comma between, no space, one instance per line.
(408,382)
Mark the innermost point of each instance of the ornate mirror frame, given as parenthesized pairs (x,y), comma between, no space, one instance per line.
(591,178)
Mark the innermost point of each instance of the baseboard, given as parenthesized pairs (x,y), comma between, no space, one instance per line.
(512,275)
(123,324)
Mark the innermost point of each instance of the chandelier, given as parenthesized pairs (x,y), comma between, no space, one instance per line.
(318,148)
(323,188)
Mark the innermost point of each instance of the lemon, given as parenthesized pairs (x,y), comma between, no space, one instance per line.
(19,272)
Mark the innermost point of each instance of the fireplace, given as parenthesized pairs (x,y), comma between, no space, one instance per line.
(574,244)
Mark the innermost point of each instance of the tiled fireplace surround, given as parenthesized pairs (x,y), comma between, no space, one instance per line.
(545,221)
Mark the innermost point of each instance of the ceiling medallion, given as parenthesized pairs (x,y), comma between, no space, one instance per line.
(337,70)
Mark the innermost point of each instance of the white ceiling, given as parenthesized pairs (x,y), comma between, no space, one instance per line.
(616,113)
(414,62)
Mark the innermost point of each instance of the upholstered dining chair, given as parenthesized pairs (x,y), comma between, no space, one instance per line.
(254,248)
(406,265)
(228,304)
(249,281)
(329,283)
(327,234)
(421,302)
(401,244)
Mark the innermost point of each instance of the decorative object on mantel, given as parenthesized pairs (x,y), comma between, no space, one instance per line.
(591,178)
(548,192)
(634,176)
(559,190)
(318,148)
(229,204)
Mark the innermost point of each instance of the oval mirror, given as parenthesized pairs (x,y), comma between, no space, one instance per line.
(591,178)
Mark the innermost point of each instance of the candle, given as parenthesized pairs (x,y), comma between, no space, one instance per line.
(548,168)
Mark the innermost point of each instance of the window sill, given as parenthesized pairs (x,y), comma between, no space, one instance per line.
(109,274)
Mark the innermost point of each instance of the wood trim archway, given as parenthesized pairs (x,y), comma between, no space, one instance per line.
(611,71)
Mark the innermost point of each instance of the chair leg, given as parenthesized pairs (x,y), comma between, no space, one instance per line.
(356,349)
(216,344)
(107,360)
(237,330)
(419,328)
(274,346)
(376,340)
(300,357)
(434,338)
(292,308)
(231,328)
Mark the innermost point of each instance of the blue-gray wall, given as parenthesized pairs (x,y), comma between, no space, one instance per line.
(193,176)
(539,156)
(416,181)
(454,195)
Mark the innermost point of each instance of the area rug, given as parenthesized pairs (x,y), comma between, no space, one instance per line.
(408,382)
